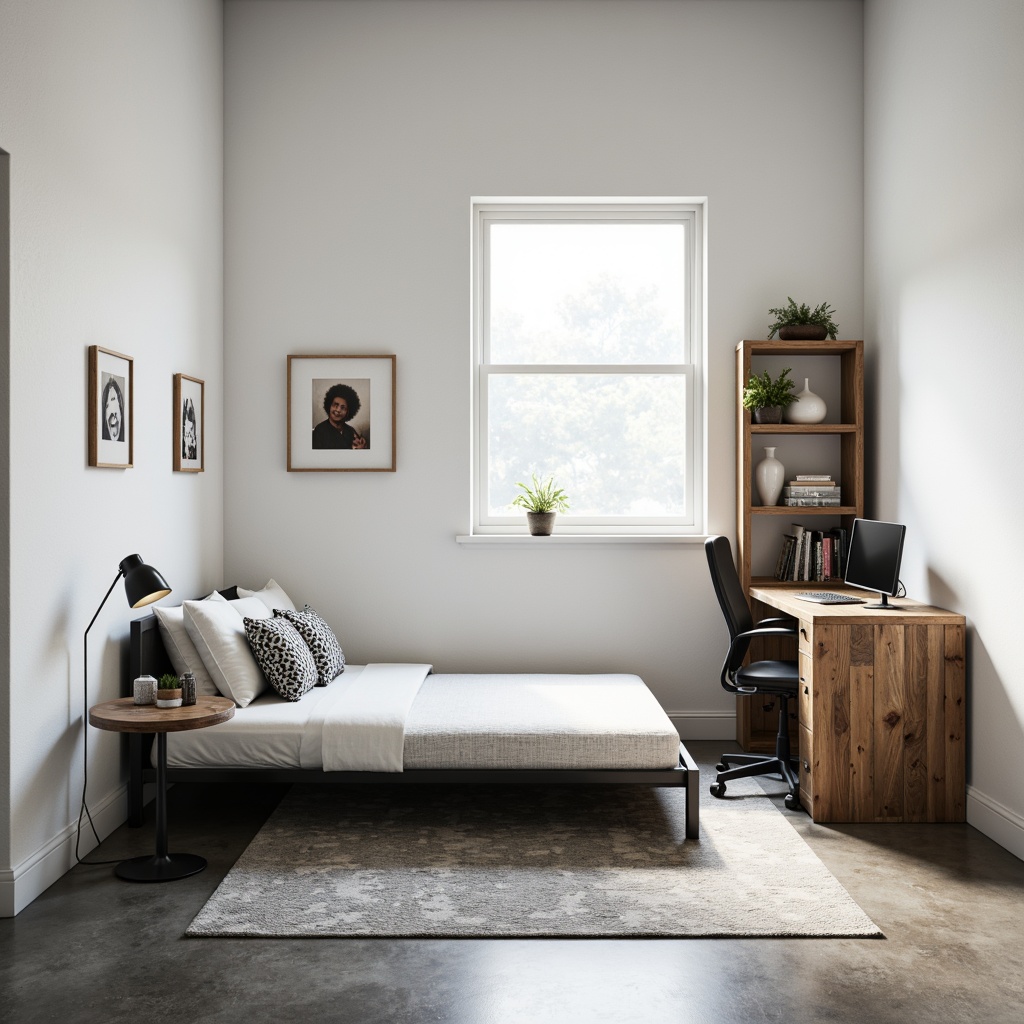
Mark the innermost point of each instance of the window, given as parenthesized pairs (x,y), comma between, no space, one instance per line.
(588,343)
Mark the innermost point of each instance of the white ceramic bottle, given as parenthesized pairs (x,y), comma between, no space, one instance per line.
(769,476)
(808,407)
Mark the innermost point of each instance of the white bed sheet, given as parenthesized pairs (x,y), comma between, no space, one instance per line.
(465,721)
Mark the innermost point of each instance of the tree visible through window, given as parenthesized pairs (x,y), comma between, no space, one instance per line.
(588,341)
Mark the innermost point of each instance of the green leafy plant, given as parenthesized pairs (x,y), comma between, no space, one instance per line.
(168,682)
(541,497)
(793,314)
(764,393)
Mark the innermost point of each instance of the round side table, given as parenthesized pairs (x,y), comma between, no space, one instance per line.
(124,715)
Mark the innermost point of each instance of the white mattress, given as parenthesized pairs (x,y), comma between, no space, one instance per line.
(460,721)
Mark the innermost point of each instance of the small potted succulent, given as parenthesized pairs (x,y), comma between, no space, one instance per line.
(168,692)
(801,323)
(766,398)
(541,502)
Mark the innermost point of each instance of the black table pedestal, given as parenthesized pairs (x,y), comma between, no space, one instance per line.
(163,866)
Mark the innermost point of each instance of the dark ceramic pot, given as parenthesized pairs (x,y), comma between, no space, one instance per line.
(541,523)
(802,332)
(768,414)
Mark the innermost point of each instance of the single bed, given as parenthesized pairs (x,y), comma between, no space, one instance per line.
(463,728)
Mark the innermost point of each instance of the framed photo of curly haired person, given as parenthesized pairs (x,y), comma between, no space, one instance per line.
(189,420)
(111,404)
(341,414)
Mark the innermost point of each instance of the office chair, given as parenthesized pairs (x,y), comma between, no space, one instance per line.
(776,678)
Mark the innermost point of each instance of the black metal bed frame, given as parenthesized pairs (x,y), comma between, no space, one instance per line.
(148,656)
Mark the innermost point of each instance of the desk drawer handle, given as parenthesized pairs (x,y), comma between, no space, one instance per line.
(807,767)
(803,632)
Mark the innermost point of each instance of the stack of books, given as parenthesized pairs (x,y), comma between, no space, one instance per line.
(812,490)
(812,555)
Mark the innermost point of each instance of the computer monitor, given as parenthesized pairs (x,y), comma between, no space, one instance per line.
(873,561)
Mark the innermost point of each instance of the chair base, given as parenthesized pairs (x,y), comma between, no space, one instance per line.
(751,765)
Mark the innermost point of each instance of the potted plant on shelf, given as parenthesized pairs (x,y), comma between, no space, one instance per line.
(766,398)
(800,323)
(168,692)
(541,502)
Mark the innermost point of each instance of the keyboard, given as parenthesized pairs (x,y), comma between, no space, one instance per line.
(828,597)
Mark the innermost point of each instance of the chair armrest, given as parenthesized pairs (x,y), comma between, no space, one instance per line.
(786,620)
(762,631)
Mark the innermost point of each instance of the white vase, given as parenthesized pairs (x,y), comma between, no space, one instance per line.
(808,407)
(769,476)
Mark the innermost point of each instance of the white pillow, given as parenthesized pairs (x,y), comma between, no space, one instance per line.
(180,649)
(272,595)
(218,632)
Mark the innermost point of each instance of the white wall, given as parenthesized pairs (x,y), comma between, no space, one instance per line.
(944,164)
(112,114)
(356,134)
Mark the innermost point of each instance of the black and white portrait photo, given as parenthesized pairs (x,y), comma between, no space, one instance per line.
(111,377)
(341,414)
(188,424)
(112,404)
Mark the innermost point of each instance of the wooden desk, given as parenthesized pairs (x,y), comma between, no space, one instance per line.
(881,709)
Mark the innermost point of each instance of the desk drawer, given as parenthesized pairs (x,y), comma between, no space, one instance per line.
(805,691)
(807,770)
(805,637)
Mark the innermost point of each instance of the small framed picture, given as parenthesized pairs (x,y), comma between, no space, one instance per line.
(341,414)
(111,398)
(189,423)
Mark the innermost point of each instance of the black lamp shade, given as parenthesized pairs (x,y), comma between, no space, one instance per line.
(142,583)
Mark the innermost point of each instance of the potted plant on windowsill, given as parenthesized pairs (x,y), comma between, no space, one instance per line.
(801,323)
(766,398)
(541,502)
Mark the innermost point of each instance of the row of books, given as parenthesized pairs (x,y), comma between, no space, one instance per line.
(812,490)
(813,555)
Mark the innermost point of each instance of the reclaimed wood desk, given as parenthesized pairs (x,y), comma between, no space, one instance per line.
(881,709)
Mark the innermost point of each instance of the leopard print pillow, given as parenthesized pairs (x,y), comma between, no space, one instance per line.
(283,656)
(320,639)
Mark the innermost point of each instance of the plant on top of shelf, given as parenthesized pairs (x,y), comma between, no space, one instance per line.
(795,322)
(767,398)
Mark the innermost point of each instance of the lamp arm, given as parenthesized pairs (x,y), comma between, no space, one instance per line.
(120,573)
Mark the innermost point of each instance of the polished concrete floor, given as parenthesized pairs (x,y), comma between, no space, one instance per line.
(96,949)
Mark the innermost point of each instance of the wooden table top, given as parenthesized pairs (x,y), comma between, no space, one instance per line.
(124,715)
(906,612)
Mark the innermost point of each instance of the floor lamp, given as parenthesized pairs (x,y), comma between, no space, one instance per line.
(142,585)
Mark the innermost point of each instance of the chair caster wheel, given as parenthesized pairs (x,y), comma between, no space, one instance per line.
(721,767)
(792,802)
(717,789)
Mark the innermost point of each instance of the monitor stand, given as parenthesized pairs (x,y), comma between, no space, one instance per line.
(883,605)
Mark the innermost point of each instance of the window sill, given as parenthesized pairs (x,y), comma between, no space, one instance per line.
(573,540)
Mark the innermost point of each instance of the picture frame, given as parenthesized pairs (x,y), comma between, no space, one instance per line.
(111,409)
(324,441)
(189,424)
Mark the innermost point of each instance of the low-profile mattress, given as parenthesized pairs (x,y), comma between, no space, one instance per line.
(463,721)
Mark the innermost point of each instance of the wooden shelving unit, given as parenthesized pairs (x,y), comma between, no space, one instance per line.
(759,529)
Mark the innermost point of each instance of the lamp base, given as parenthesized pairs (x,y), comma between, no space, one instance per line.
(160,869)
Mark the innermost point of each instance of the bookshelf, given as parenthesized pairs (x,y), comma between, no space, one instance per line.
(835,446)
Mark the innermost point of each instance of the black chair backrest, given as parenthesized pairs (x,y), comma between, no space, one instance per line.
(729,593)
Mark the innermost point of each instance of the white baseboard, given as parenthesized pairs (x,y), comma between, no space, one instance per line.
(1001,824)
(20,885)
(704,725)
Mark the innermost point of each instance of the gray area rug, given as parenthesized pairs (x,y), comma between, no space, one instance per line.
(502,862)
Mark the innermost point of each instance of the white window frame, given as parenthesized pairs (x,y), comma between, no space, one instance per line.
(692,212)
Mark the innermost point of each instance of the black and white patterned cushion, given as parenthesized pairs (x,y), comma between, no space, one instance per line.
(320,639)
(283,656)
